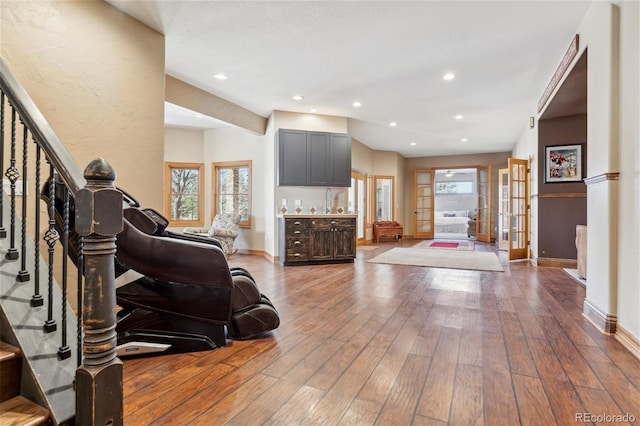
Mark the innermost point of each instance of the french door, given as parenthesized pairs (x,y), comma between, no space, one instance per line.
(483,216)
(503,205)
(518,209)
(423,191)
(357,203)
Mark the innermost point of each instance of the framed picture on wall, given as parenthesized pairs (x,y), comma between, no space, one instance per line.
(563,163)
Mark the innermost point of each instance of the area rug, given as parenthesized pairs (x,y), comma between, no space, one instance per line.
(367,247)
(447,245)
(435,258)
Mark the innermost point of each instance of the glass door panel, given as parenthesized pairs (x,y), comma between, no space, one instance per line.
(483,216)
(518,215)
(357,203)
(384,198)
(503,214)
(423,203)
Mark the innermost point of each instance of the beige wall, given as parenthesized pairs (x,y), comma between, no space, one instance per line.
(97,75)
(309,122)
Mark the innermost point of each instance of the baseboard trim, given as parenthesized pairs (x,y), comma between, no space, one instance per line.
(628,340)
(262,253)
(606,323)
(557,263)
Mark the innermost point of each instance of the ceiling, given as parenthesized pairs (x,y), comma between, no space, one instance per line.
(390,56)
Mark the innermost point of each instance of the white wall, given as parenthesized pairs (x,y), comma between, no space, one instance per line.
(628,267)
(610,33)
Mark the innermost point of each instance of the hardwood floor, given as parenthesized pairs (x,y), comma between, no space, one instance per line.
(364,344)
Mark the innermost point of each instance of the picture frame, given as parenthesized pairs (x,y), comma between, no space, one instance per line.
(563,163)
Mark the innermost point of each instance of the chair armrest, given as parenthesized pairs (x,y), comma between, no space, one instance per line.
(196,231)
(229,233)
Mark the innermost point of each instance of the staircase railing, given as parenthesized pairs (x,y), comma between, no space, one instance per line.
(97,220)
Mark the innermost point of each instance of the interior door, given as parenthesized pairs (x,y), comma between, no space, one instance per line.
(503,214)
(423,191)
(357,203)
(483,216)
(519,209)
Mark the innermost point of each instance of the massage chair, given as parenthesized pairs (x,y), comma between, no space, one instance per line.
(176,292)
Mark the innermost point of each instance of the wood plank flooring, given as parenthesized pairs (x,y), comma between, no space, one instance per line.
(365,344)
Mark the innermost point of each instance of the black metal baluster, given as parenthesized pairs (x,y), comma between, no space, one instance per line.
(3,232)
(51,236)
(80,296)
(12,173)
(23,274)
(64,351)
(36,299)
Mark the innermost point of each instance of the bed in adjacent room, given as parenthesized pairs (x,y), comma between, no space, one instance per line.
(452,221)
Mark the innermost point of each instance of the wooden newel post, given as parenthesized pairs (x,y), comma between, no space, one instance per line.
(99,220)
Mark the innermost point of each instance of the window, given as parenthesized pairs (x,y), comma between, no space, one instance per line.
(232,187)
(462,187)
(183,193)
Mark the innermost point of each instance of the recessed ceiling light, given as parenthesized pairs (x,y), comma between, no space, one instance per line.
(356,104)
(297,98)
(313,110)
(458,117)
(449,76)
(220,76)
(393,124)
(198,115)
(464,140)
(412,144)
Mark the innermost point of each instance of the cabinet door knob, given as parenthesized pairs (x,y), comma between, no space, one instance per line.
(297,223)
(333,222)
(296,232)
(296,255)
(296,242)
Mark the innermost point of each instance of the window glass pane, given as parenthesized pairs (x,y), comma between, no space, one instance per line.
(463,187)
(185,187)
(184,207)
(234,190)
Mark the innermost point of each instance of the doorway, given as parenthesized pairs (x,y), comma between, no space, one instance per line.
(357,203)
(455,203)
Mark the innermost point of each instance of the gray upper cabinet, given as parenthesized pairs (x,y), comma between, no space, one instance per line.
(313,158)
(292,157)
(341,159)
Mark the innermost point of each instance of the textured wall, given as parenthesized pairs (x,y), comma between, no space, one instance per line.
(97,75)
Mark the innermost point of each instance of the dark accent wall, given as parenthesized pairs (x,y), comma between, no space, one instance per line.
(561,205)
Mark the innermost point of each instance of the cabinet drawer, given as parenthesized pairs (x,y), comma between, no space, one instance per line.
(292,224)
(322,223)
(294,255)
(332,223)
(299,244)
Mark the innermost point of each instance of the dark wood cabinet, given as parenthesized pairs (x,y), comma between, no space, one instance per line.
(327,239)
(313,158)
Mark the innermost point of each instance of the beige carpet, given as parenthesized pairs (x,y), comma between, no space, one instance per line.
(436,258)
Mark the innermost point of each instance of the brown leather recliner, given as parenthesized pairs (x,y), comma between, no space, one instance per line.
(177,292)
(214,294)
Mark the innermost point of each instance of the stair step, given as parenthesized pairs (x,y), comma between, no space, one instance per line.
(19,411)
(10,368)
(8,351)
